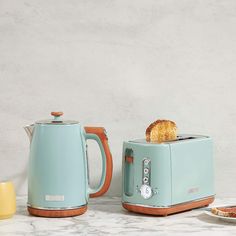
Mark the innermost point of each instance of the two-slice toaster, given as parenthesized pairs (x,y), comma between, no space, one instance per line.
(174,176)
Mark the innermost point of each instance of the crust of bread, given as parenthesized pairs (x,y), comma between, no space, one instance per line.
(224,211)
(161,130)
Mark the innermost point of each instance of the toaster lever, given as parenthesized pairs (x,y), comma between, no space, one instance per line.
(128,172)
(129,159)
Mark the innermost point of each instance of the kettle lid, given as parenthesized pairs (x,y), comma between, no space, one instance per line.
(57,120)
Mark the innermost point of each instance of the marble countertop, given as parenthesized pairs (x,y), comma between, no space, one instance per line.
(105,216)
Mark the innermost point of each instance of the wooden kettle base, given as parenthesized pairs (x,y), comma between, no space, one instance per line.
(168,210)
(57,213)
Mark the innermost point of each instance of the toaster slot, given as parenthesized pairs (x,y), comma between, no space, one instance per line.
(129,172)
(184,138)
(181,138)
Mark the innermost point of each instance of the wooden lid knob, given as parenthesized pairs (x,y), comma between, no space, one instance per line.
(56,113)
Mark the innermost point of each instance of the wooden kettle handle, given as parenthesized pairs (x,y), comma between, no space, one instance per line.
(101,133)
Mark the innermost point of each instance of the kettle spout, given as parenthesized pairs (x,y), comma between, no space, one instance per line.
(29,129)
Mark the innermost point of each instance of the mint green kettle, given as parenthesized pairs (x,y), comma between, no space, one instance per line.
(58,184)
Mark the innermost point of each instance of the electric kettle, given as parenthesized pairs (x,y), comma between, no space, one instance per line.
(58,179)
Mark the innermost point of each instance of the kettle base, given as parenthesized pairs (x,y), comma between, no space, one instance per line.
(164,211)
(57,213)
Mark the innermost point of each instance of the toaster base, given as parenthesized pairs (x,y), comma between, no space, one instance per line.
(164,211)
(57,213)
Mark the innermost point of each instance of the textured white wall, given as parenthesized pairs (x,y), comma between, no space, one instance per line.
(119,64)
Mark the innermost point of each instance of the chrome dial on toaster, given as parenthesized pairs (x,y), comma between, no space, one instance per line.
(146,190)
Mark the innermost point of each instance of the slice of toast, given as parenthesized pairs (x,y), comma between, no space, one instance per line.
(161,130)
(224,211)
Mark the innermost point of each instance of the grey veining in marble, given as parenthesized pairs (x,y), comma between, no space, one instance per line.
(105,216)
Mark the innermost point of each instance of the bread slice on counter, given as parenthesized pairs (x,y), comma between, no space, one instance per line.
(161,130)
(224,211)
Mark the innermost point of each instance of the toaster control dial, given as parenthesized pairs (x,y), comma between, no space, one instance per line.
(146,191)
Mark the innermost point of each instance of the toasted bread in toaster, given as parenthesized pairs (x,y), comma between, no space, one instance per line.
(161,130)
(224,211)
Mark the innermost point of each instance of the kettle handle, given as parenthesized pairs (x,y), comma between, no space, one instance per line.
(99,134)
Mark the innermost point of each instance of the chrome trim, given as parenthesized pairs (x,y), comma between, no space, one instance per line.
(153,206)
(29,129)
(55,208)
(57,123)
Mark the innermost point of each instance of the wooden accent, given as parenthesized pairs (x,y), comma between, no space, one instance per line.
(100,132)
(57,213)
(57,113)
(129,159)
(168,210)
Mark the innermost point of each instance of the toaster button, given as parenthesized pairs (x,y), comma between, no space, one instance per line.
(146,162)
(145,180)
(146,170)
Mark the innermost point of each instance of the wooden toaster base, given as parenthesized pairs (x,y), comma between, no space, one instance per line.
(57,213)
(168,210)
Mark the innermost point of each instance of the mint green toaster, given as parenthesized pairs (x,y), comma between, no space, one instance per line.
(174,176)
